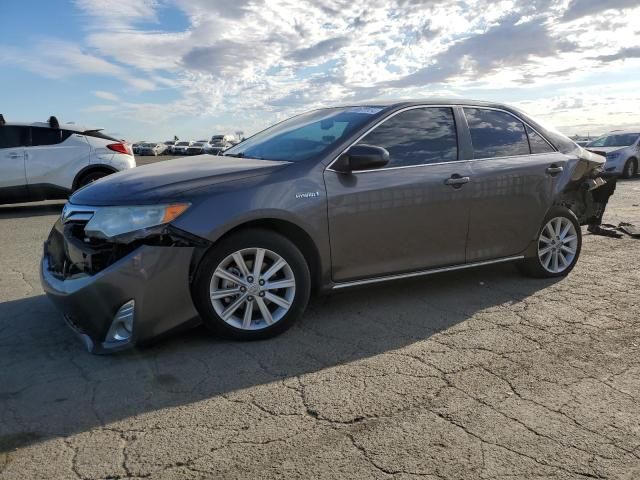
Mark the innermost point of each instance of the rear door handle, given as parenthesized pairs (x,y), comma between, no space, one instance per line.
(14,155)
(554,170)
(456,181)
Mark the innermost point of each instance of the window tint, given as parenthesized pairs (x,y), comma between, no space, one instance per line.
(417,136)
(496,134)
(537,143)
(12,136)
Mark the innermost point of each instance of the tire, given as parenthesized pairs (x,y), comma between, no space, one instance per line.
(541,264)
(630,168)
(90,177)
(221,259)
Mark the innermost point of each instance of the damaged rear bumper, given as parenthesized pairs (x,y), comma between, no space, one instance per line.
(146,290)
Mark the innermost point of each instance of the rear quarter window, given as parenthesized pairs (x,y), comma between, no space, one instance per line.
(48,136)
(13,136)
(537,143)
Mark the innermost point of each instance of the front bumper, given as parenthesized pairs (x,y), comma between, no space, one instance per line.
(156,278)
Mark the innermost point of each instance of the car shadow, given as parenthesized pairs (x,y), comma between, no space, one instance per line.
(31,210)
(51,387)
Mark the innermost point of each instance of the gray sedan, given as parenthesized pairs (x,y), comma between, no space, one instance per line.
(330,199)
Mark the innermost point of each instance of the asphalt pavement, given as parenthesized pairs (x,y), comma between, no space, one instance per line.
(466,375)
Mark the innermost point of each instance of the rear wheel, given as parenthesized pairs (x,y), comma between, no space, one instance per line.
(630,168)
(90,177)
(254,284)
(558,245)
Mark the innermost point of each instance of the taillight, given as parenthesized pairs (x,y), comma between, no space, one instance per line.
(119,147)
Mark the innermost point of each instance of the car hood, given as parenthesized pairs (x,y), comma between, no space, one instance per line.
(171,179)
(599,150)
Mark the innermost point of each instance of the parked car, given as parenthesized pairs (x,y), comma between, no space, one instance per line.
(181,148)
(152,149)
(198,148)
(40,161)
(219,143)
(169,144)
(135,148)
(333,198)
(621,149)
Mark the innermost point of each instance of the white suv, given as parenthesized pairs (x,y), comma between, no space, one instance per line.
(622,150)
(40,161)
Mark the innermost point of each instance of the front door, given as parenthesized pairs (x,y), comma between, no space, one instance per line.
(13,182)
(407,216)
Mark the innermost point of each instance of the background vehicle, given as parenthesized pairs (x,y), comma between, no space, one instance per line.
(198,147)
(152,149)
(169,144)
(622,150)
(219,143)
(181,148)
(329,199)
(41,161)
(135,148)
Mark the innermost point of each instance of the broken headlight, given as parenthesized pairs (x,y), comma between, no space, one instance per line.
(109,222)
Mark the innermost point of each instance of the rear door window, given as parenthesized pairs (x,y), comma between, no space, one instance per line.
(496,134)
(48,136)
(417,136)
(13,136)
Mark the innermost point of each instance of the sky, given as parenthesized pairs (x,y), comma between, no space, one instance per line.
(152,69)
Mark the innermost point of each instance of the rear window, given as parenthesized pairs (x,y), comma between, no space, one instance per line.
(496,134)
(13,136)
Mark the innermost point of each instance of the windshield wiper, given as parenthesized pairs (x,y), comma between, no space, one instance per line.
(237,155)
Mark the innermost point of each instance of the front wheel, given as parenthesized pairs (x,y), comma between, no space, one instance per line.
(253,284)
(558,245)
(630,168)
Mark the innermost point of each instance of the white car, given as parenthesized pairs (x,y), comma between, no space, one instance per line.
(40,161)
(181,148)
(152,148)
(169,144)
(622,150)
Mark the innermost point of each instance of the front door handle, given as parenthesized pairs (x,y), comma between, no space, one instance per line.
(456,181)
(13,155)
(554,170)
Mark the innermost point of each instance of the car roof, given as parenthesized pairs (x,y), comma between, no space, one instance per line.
(426,101)
(63,126)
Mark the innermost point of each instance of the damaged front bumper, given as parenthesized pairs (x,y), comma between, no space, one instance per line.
(117,296)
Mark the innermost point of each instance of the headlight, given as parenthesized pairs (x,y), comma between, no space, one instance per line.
(108,222)
(613,155)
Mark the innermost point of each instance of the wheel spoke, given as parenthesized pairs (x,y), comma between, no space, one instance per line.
(565,230)
(569,239)
(569,250)
(277,300)
(555,261)
(248,312)
(287,283)
(547,262)
(545,250)
(230,310)
(562,259)
(264,311)
(224,274)
(224,292)
(545,239)
(257,263)
(274,268)
(237,257)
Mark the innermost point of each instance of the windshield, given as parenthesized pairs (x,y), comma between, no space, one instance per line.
(197,145)
(619,140)
(183,144)
(306,135)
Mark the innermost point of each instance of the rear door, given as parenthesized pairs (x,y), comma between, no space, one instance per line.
(514,173)
(408,215)
(54,158)
(13,181)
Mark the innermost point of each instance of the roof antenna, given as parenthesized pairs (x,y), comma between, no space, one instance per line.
(2,120)
(53,122)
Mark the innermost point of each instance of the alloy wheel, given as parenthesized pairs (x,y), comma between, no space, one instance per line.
(558,245)
(252,288)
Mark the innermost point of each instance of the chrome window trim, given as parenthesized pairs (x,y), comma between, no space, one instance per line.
(421,273)
(452,107)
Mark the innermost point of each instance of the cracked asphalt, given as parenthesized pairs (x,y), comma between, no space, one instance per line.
(479,374)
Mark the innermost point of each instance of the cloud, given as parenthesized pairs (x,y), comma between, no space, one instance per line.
(582,8)
(320,49)
(622,54)
(106,95)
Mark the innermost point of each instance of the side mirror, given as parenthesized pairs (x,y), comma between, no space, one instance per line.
(362,157)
